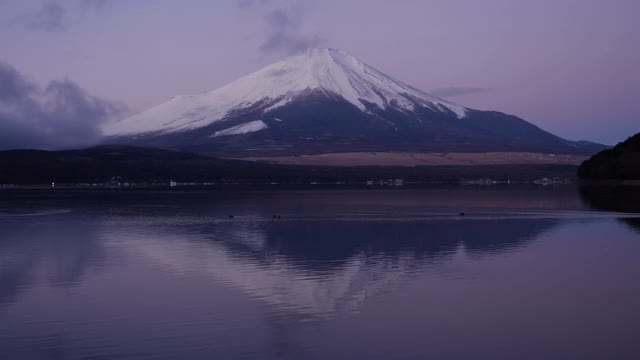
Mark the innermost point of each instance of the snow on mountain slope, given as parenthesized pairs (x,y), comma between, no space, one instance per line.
(251,126)
(329,71)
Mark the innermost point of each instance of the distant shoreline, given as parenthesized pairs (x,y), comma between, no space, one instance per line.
(385,185)
(267,187)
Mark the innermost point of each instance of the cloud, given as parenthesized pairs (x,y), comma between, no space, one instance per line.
(60,115)
(50,17)
(12,85)
(283,26)
(453,91)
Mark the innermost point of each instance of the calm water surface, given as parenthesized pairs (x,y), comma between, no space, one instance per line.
(526,273)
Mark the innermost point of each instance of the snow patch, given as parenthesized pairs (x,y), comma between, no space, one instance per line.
(245,128)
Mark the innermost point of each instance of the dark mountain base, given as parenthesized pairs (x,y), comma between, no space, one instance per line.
(122,164)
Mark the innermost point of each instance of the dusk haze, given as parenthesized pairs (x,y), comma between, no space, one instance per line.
(319,179)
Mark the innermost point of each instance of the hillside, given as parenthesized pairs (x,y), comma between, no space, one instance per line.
(622,162)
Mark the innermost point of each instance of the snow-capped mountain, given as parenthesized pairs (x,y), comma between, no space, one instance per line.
(326,100)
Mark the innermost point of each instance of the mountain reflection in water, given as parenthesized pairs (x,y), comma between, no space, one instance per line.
(321,267)
(172,275)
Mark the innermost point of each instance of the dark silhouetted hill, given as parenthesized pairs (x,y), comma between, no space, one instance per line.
(622,162)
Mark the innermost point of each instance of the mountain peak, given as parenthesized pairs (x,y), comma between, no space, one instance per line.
(340,73)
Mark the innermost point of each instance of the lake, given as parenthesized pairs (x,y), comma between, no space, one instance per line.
(524,273)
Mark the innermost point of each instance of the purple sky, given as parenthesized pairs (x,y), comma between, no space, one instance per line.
(568,66)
